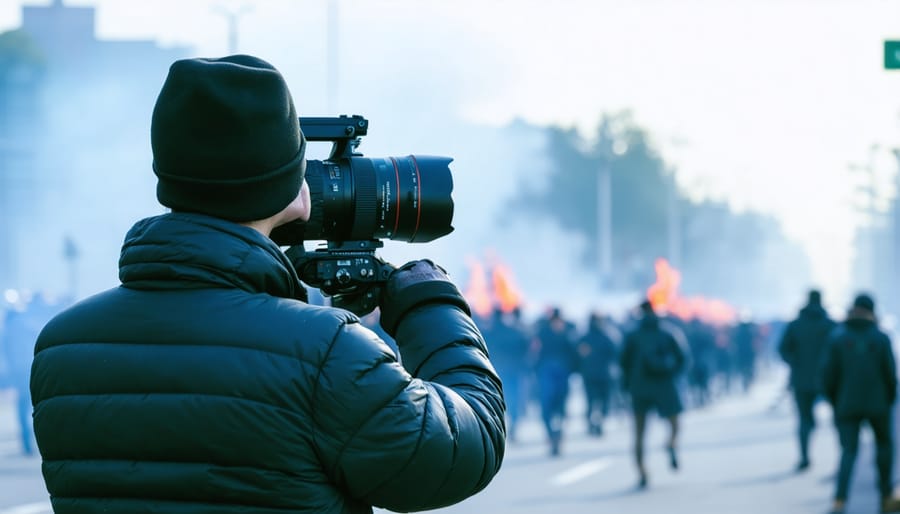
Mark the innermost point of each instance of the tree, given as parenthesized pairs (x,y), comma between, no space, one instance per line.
(17,48)
(743,257)
(639,185)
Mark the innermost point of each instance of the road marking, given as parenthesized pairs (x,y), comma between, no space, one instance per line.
(579,472)
(29,508)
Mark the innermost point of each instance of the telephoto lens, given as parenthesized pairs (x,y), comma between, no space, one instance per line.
(360,198)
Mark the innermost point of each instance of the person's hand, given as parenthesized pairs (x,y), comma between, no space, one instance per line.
(359,303)
(413,284)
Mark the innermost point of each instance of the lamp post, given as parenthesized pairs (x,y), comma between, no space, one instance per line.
(232,16)
(674,228)
(604,223)
(71,254)
(608,151)
(871,216)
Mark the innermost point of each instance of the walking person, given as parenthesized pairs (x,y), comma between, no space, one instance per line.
(803,347)
(702,347)
(556,361)
(22,325)
(654,355)
(860,382)
(598,351)
(509,346)
(205,383)
(745,339)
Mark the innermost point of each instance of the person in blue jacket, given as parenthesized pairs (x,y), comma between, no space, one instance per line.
(21,326)
(204,383)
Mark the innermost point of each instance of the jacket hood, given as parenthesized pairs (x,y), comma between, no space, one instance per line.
(194,251)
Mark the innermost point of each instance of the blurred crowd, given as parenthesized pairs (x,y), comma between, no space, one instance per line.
(537,359)
(21,320)
(540,359)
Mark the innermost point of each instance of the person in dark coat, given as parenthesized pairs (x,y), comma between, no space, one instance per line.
(746,342)
(509,345)
(702,347)
(598,352)
(204,383)
(653,356)
(860,383)
(556,361)
(802,347)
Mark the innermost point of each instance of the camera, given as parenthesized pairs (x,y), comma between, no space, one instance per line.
(356,202)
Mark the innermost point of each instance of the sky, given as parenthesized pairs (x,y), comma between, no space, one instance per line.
(767,104)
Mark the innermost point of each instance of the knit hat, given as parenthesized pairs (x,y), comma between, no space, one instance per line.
(226,139)
(864,302)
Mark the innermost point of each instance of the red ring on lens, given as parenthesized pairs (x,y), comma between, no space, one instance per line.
(397,194)
(418,197)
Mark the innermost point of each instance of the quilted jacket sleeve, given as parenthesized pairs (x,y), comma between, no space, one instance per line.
(423,435)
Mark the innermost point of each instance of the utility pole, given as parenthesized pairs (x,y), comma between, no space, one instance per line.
(674,223)
(894,250)
(604,222)
(232,16)
(674,208)
(609,149)
(71,254)
(871,221)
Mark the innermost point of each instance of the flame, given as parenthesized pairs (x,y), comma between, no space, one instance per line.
(664,297)
(665,291)
(487,290)
(476,292)
(505,290)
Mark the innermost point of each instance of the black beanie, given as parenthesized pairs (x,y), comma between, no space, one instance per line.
(226,139)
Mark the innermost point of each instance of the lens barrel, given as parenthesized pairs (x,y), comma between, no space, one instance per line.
(360,198)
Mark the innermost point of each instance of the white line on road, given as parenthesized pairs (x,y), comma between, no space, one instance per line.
(579,472)
(29,508)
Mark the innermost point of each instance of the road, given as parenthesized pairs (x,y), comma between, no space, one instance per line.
(737,457)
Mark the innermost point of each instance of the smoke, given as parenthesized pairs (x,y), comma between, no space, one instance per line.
(92,180)
(420,85)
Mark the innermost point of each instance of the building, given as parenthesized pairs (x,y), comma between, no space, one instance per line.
(74,147)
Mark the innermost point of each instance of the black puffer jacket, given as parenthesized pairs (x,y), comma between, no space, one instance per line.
(200,386)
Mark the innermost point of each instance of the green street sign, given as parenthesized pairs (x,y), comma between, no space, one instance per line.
(892,55)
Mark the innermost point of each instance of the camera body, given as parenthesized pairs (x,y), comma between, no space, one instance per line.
(358,201)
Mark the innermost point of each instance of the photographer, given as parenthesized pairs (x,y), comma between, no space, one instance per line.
(205,383)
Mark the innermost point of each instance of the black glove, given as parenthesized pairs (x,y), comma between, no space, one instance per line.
(414,284)
(359,303)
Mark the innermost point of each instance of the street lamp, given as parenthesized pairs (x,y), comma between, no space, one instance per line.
(232,15)
(604,209)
